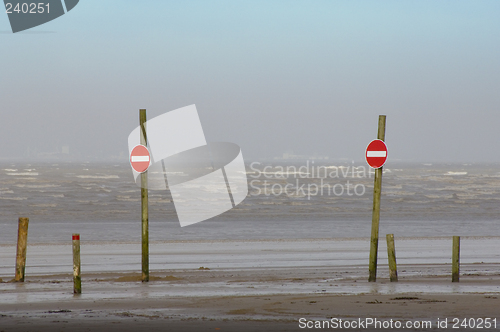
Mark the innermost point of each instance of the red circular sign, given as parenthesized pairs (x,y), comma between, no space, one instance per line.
(140,158)
(376,153)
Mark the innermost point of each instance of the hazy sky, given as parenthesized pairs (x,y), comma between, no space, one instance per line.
(272,76)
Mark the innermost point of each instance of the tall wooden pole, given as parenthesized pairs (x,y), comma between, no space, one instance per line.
(22,243)
(77,278)
(377,189)
(455,260)
(391,254)
(144,203)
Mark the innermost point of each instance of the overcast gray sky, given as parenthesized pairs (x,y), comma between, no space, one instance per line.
(272,76)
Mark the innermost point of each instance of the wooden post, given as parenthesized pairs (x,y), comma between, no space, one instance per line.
(22,243)
(144,203)
(77,278)
(455,260)
(391,254)
(377,189)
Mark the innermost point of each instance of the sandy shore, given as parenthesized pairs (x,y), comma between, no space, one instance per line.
(178,302)
(248,313)
(247,286)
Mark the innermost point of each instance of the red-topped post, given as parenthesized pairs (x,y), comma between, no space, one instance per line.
(77,278)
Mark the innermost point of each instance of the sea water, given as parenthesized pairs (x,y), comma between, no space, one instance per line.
(286,200)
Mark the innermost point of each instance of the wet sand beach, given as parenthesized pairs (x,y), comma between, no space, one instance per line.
(246,285)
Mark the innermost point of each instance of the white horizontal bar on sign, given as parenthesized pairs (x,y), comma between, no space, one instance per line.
(376,153)
(140,158)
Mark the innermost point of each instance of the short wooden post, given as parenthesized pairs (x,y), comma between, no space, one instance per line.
(391,254)
(77,278)
(455,260)
(377,189)
(22,243)
(144,203)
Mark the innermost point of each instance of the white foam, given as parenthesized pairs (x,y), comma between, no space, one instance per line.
(98,176)
(456,173)
(34,186)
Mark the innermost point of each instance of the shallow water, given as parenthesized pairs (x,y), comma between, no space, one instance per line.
(479,253)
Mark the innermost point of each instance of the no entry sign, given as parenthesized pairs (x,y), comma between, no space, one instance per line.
(376,153)
(140,159)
